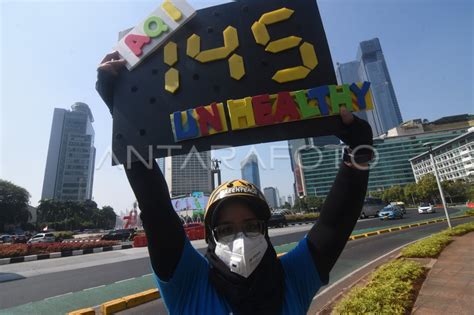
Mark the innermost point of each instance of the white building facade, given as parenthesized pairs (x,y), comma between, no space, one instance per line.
(454,159)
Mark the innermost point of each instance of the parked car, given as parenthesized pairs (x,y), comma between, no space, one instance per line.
(391,212)
(42,238)
(194,231)
(277,220)
(426,208)
(6,238)
(399,204)
(20,239)
(119,235)
(372,207)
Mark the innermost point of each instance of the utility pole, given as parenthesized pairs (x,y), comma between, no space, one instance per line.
(429,145)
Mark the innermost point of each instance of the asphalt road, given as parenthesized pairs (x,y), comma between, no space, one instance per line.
(25,286)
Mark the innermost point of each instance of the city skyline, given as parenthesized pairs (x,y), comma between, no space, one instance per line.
(424,81)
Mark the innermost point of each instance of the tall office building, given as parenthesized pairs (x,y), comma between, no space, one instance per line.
(293,148)
(290,201)
(371,66)
(249,169)
(188,173)
(271,195)
(297,144)
(394,150)
(70,163)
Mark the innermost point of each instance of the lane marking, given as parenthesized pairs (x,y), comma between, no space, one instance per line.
(53,297)
(100,286)
(124,280)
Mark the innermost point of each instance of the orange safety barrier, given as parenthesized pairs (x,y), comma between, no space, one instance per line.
(140,241)
(194,231)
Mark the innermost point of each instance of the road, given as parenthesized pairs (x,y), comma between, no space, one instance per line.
(62,284)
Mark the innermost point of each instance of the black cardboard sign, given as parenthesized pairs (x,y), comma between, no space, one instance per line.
(142,105)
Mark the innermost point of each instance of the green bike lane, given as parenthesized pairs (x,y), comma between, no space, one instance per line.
(94,296)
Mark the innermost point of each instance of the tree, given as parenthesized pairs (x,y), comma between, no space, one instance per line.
(74,215)
(300,204)
(314,203)
(456,191)
(427,188)
(375,194)
(104,218)
(14,202)
(411,193)
(394,193)
(287,206)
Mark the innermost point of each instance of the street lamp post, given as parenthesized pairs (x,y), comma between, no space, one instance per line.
(429,145)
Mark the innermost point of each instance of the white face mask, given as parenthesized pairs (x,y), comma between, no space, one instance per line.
(242,254)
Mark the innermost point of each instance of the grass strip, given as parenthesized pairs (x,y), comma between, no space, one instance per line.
(390,290)
(432,246)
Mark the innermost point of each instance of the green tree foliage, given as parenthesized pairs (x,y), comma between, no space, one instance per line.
(300,204)
(13,204)
(427,188)
(314,203)
(73,215)
(456,191)
(105,218)
(470,192)
(375,194)
(287,206)
(308,204)
(394,193)
(411,194)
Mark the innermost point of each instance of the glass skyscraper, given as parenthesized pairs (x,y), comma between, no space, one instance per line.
(70,163)
(249,169)
(272,196)
(371,66)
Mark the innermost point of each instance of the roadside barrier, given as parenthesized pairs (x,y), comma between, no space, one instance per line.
(81,241)
(140,241)
(20,259)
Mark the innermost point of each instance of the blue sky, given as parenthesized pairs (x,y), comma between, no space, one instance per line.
(50,49)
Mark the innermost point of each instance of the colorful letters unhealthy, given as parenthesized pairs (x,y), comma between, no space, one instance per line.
(265,109)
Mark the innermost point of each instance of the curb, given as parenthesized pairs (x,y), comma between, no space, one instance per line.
(133,300)
(14,260)
(121,304)
(81,241)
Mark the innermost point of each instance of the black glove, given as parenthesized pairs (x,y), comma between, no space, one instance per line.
(105,86)
(356,134)
(107,73)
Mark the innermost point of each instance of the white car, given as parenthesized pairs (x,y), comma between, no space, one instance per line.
(42,238)
(426,208)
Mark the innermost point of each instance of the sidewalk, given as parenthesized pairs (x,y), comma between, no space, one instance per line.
(449,286)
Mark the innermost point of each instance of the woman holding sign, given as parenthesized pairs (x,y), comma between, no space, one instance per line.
(240,273)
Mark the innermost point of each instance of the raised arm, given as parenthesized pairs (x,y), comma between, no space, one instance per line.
(162,225)
(342,207)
